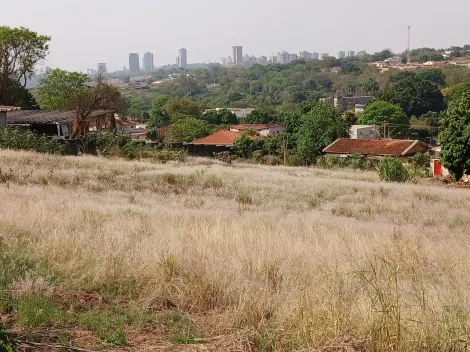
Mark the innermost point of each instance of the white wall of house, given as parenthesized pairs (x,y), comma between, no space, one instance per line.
(364,132)
(271,130)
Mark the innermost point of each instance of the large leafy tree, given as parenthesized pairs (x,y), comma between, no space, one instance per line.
(59,89)
(220,117)
(318,129)
(381,111)
(434,75)
(256,116)
(187,130)
(456,91)
(20,50)
(178,108)
(158,115)
(415,95)
(455,136)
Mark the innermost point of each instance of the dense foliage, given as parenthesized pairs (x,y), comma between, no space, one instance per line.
(12,138)
(455,136)
(380,111)
(392,170)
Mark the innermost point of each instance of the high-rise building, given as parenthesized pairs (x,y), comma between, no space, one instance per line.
(293,57)
(148,62)
(351,53)
(237,55)
(324,55)
(134,65)
(306,55)
(283,58)
(102,68)
(91,72)
(263,60)
(223,61)
(230,60)
(273,59)
(316,56)
(183,58)
(341,54)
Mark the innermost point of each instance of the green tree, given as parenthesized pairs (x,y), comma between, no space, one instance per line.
(59,89)
(178,108)
(137,109)
(158,115)
(434,75)
(187,130)
(370,87)
(456,91)
(415,95)
(381,111)
(352,68)
(455,136)
(246,144)
(256,116)
(220,117)
(319,128)
(20,50)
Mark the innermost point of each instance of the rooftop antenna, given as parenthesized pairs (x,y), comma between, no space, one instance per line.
(409,45)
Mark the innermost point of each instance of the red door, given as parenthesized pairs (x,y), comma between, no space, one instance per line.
(437,168)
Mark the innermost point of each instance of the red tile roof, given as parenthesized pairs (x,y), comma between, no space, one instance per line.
(219,138)
(394,147)
(254,127)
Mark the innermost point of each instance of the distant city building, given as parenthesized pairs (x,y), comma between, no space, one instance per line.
(183,58)
(274,59)
(148,62)
(134,64)
(316,56)
(263,60)
(306,55)
(223,61)
(230,60)
(324,55)
(293,57)
(91,72)
(283,57)
(351,53)
(237,54)
(341,54)
(102,68)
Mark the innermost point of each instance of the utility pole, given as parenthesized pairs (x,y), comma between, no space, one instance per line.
(409,45)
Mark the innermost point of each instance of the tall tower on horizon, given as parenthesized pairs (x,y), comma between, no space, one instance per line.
(183,58)
(148,62)
(237,54)
(134,64)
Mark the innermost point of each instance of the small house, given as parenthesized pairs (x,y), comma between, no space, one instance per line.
(261,129)
(377,148)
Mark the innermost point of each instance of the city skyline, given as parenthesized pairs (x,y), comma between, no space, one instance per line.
(100,37)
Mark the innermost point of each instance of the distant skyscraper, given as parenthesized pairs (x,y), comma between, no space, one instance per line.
(283,58)
(237,55)
(183,58)
(351,53)
(230,60)
(223,61)
(102,68)
(148,62)
(91,72)
(273,59)
(316,56)
(306,55)
(134,65)
(324,55)
(263,60)
(341,54)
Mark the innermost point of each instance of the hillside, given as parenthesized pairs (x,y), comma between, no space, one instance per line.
(196,256)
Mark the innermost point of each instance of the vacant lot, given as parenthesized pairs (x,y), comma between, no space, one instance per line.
(101,252)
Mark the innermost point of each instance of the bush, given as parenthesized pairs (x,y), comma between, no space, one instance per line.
(7,343)
(107,143)
(293,160)
(392,170)
(13,138)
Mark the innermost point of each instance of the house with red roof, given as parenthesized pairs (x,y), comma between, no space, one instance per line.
(376,148)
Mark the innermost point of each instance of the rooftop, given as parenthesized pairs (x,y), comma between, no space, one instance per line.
(219,138)
(254,127)
(392,147)
(45,117)
(8,108)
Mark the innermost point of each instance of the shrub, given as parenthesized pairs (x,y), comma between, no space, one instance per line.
(392,170)
(107,143)
(293,160)
(35,310)
(7,343)
(12,138)
(355,161)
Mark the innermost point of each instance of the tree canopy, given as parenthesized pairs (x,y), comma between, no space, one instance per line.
(187,130)
(415,95)
(319,128)
(455,136)
(20,50)
(381,111)
(59,89)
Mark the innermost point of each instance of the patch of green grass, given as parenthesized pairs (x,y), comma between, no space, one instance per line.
(243,198)
(183,329)
(35,310)
(108,327)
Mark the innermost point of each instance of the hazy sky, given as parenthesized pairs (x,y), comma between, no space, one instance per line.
(86,32)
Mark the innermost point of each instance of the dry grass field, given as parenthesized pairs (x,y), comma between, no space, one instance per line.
(200,256)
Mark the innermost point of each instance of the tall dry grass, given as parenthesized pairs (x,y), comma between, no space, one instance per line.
(291,257)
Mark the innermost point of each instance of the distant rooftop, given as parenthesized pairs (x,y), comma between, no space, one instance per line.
(8,108)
